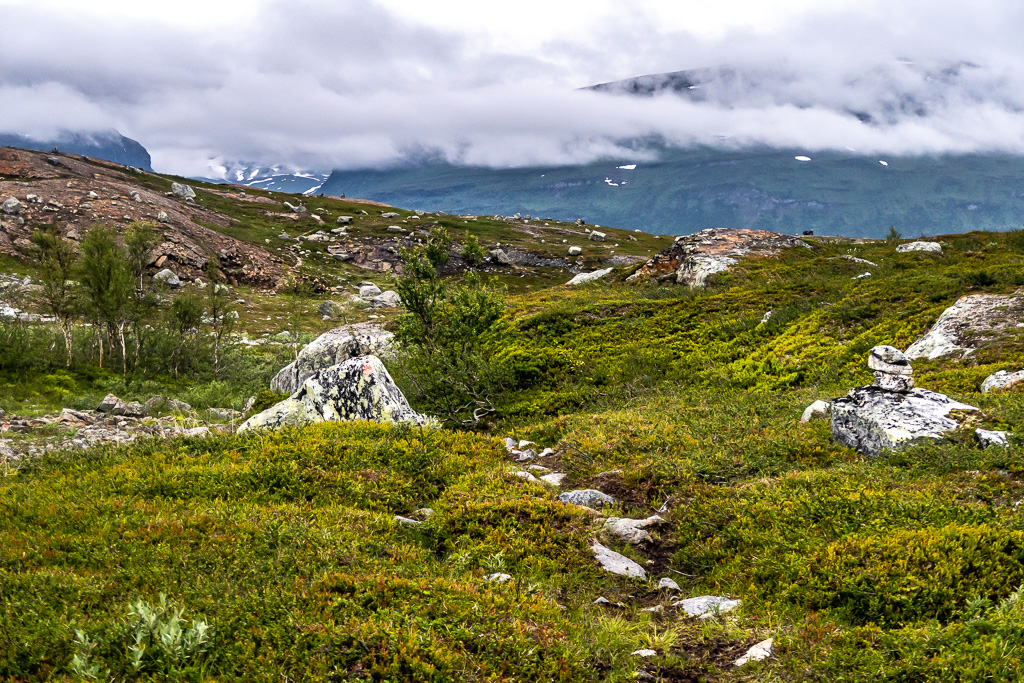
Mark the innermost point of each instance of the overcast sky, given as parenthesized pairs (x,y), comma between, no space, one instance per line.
(321,84)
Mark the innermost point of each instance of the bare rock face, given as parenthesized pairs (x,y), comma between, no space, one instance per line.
(872,419)
(972,320)
(358,389)
(332,348)
(692,259)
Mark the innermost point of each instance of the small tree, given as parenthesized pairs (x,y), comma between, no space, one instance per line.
(183,318)
(57,260)
(106,283)
(139,242)
(893,236)
(222,315)
(473,252)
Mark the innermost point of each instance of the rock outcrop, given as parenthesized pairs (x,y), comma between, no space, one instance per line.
(1002,380)
(358,389)
(616,563)
(332,348)
(692,259)
(584,278)
(891,414)
(966,325)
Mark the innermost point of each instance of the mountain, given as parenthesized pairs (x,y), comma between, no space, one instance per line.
(684,191)
(108,145)
(272,178)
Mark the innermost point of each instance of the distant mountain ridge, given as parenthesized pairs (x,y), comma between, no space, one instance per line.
(108,145)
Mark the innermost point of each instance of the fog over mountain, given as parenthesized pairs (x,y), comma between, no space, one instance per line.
(357,84)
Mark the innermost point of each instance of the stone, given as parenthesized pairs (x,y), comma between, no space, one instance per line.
(108,403)
(523,475)
(597,236)
(344,220)
(129,409)
(388,299)
(692,259)
(657,609)
(183,191)
(331,348)
(646,652)
(614,563)
(369,291)
(1001,380)
(555,478)
(872,419)
(168,278)
(162,217)
(358,389)
(92,196)
(390,214)
(181,406)
(667,584)
(11,206)
(405,520)
(498,577)
(862,276)
(225,414)
(758,653)
(584,278)
(992,438)
(591,498)
(397,228)
(632,530)
(816,409)
(575,251)
(901,383)
(197,432)
(329,308)
(890,360)
(499,256)
(933,247)
(707,606)
(966,325)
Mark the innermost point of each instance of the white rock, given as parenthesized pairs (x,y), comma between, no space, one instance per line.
(524,444)
(816,409)
(555,478)
(369,291)
(644,653)
(1001,380)
(584,278)
(587,498)
(498,577)
(975,316)
(632,530)
(757,653)
(872,419)
(332,348)
(933,247)
(707,606)
(523,475)
(890,360)
(598,236)
(861,276)
(657,609)
(992,438)
(668,584)
(615,563)
(575,251)
(405,520)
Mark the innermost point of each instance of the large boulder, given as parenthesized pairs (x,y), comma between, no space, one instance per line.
(1002,380)
(872,419)
(966,325)
(331,348)
(358,389)
(692,259)
(183,191)
(933,247)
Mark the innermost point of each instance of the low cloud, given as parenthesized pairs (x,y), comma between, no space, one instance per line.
(351,85)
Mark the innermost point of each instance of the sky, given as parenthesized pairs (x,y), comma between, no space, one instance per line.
(322,84)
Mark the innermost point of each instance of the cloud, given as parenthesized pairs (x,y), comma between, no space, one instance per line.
(320,85)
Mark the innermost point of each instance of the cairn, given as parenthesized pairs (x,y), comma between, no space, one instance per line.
(892,369)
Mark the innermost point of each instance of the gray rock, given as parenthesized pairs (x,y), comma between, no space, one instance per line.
(992,438)
(332,348)
(197,432)
(498,577)
(168,278)
(591,498)
(872,419)
(901,383)
(933,247)
(329,308)
(162,217)
(11,206)
(707,606)
(632,530)
(555,478)
(388,299)
(598,236)
(889,359)
(397,228)
(615,563)
(405,520)
(499,256)
(154,405)
(92,195)
(358,389)
(575,251)
(584,278)
(390,214)
(129,409)
(816,409)
(109,403)
(668,584)
(183,191)
(181,406)
(344,220)
(1001,380)
(225,414)
(968,323)
(369,291)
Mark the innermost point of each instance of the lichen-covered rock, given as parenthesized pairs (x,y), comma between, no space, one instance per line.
(168,277)
(816,409)
(692,259)
(967,324)
(332,348)
(109,404)
(587,498)
(358,389)
(183,191)
(615,563)
(872,419)
(1002,380)
(989,437)
(632,530)
(933,247)
(707,606)
(758,653)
